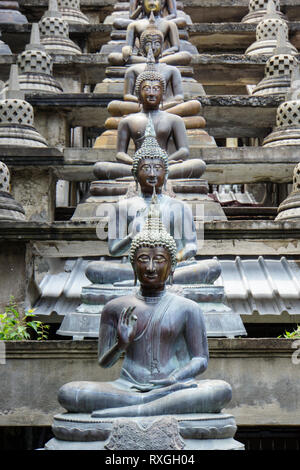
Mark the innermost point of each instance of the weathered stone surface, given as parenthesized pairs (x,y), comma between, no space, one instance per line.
(13,268)
(24,156)
(210,69)
(265,381)
(244,115)
(162,433)
(34,189)
(59,234)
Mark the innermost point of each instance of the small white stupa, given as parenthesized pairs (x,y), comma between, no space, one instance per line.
(55,32)
(266,33)
(17,117)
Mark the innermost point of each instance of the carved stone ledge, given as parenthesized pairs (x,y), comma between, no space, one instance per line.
(21,156)
(169,432)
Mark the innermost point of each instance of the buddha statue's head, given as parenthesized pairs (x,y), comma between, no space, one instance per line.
(153,251)
(150,163)
(150,87)
(154,6)
(151,38)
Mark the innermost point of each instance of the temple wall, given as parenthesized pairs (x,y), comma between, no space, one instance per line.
(265,382)
(13,269)
(34,189)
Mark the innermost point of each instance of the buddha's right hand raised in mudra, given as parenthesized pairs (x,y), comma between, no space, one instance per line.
(127,326)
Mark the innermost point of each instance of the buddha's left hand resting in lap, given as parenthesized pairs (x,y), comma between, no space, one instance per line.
(163,338)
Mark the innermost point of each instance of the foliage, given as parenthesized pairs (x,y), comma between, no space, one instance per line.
(14,326)
(295,334)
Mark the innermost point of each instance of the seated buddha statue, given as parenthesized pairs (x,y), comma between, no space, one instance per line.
(171,54)
(163,338)
(151,45)
(150,170)
(136,10)
(168,128)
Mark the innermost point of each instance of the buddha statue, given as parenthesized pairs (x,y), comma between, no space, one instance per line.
(137,10)
(168,128)
(113,279)
(163,338)
(171,55)
(150,171)
(158,401)
(151,44)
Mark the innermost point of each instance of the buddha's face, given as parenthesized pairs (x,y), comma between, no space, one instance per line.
(153,266)
(151,173)
(155,42)
(151,93)
(152,5)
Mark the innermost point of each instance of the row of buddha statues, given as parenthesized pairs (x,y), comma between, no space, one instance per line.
(152,318)
(147,38)
(161,334)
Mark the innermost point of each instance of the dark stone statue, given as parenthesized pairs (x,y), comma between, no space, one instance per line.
(150,171)
(168,128)
(163,338)
(151,42)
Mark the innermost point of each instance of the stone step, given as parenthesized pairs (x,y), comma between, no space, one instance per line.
(225,70)
(226,116)
(199,10)
(237,238)
(224,165)
(205,36)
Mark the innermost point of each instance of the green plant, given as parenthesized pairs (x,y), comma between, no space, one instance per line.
(295,334)
(14,326)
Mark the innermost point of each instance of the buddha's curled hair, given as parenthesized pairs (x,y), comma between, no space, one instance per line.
(154,234)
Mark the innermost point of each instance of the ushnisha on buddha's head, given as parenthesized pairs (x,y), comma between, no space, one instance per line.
(153,253)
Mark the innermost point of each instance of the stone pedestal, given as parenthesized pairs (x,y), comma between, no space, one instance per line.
(193,191)
(170,432)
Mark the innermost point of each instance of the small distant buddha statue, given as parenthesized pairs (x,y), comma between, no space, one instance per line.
(171,55)
(169,11)
(150,171)
(136,8)
(151,45)
(163,337)
(136,11)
